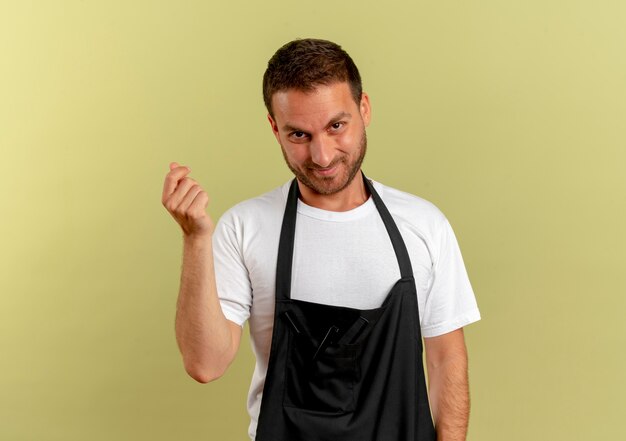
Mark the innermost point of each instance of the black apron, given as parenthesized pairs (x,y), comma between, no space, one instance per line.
(344,374)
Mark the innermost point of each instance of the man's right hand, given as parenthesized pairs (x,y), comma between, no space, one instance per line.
(186,201)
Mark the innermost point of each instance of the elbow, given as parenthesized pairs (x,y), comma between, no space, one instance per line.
(202,377)
(203,374)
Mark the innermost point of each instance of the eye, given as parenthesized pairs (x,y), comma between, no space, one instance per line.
(337,125)
(298,136)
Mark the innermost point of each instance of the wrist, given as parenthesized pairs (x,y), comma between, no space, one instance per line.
(197,239)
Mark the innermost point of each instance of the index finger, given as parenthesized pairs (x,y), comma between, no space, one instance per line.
(171,181)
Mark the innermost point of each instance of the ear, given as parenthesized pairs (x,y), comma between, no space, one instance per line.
(274,127)
(365,109)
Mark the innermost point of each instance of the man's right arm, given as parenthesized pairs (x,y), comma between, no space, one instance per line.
(207,341)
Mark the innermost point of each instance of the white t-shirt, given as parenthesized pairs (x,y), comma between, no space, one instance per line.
(340,258)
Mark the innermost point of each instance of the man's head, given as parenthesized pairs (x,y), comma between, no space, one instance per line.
(318,113)
(306,64)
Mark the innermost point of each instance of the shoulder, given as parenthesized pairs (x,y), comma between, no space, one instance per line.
(411,211)
(419,220)
(256,211)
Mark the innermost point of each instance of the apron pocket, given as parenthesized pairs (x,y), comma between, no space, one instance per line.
(323,384)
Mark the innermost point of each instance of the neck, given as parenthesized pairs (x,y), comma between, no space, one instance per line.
(354,195)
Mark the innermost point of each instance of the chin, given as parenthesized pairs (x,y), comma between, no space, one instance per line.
(326,186)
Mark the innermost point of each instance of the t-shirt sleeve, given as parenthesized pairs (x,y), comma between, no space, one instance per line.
(450,302)
(231,275)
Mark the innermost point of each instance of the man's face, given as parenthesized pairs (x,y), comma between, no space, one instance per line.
(322,134)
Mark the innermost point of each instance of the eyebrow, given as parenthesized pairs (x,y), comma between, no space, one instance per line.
(341,115)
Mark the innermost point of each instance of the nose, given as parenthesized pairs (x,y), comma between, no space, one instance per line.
(321,151)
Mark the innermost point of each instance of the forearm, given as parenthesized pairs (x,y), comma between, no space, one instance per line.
(449,397)
(203,334)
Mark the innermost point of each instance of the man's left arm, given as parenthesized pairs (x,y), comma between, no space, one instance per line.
(446,359)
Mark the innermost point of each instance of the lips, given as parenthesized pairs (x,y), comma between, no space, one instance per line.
(325,171)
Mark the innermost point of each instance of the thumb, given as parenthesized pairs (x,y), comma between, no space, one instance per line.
(173,165)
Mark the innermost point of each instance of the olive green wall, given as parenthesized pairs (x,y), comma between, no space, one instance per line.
(509,115)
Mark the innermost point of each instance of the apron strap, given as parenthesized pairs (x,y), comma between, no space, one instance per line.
(287,235)
(285,247)
(406,270)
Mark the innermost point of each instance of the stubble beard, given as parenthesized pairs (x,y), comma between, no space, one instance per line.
(332,184)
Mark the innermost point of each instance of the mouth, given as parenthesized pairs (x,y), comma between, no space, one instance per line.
(324,171)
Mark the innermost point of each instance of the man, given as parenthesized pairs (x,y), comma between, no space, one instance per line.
(340,277)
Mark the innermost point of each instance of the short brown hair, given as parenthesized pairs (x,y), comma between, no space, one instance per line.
(303,64)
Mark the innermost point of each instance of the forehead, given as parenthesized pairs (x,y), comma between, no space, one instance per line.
(312,108)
